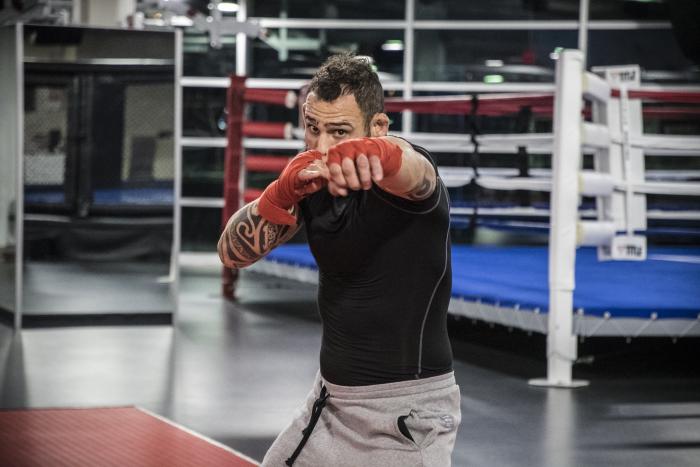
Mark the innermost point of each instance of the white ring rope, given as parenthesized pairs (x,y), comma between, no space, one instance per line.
(535,184)
(495,179)
(455,174)
(526,211)
(535,143)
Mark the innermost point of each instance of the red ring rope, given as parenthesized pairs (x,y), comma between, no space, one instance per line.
(274,130)
(251,194)
(504,104)
(662,96)
(271,96)
(489,104)
(264,163)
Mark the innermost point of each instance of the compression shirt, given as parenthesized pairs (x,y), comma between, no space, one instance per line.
(384,284)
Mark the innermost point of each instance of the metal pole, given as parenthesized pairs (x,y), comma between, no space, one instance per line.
(242,40)
(583,16)
(19,216)
(408,53)
(177,177)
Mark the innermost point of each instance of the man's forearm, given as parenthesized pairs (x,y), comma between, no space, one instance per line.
(416,180)
(248,237)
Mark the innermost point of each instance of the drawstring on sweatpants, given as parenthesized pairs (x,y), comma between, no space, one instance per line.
(319,404)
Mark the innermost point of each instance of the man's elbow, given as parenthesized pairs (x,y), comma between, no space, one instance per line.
(222,255)
(225,259)
(228,261)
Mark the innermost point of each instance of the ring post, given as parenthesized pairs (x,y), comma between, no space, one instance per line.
(566,162)
(235,102)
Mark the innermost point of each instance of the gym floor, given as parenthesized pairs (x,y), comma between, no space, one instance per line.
(237,372)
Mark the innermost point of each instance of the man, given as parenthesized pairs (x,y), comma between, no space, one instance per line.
(377,222)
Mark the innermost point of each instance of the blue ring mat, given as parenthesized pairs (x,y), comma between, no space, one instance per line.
(667,284)
(109,197)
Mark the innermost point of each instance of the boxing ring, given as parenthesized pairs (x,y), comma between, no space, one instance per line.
(597,276)
(508,286)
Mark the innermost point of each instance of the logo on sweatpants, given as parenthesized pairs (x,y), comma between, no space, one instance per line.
(448,421)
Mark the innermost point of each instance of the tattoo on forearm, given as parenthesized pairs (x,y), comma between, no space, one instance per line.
(248,237)
(424,188)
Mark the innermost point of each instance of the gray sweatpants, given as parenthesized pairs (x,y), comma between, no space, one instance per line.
(361,426)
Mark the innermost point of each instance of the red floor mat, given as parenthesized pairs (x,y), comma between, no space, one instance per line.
(104,437)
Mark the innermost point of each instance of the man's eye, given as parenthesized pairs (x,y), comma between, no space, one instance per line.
(341,132)
(313,129)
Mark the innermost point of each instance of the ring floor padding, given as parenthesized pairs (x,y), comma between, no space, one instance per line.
(108,197)
(124,436)
(667,284)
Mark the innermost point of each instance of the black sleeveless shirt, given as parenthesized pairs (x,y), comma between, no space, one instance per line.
(384,284)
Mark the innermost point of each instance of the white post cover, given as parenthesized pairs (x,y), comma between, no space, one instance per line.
(623,162)
(564,201)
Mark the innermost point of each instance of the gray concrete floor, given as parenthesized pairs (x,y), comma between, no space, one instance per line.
(236,373)
(82,287)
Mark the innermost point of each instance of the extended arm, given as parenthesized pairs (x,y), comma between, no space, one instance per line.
(273,218)
(390,162)
(416,179)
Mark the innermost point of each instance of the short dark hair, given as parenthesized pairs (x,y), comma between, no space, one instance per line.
(346,74)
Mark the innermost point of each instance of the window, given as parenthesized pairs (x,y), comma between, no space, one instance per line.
(638,10)
(654,50)
(329,9)
(204,112)
(297,53)
(200,59)
(203,170)
(497,9)
(488,56)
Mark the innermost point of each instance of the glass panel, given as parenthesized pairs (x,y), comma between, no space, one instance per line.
(133,167)
(148,114)
(200,59)
(656,51)
(8,174)
(202,172)
(488,56)
(113,120)
(204,112)
(74,44)
(640,10)
(496,9)
(200,229)
(45,146)
(297,53)
(329,9)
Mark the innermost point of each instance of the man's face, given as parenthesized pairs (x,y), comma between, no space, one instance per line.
(328,123)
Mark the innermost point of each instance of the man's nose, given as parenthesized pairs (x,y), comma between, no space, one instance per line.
(325,141)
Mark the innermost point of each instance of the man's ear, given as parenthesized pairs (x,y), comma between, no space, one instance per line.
(379,125)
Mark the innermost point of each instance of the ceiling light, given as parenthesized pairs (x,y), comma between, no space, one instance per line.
(493,79)
(555,53)
(227,7)
(393,45)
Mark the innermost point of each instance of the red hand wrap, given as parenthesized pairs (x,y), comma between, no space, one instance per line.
(282,194)
(390,154)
